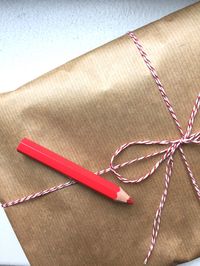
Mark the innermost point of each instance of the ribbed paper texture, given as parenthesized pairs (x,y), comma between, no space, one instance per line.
(84,110)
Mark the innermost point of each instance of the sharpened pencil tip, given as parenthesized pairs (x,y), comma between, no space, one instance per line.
(130,201)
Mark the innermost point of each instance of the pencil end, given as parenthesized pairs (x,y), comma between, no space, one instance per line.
(20,145)
(124,197)
(130,201)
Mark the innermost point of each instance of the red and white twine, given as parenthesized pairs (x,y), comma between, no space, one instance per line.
(167,154)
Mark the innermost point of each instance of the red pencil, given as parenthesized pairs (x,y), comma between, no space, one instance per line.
(73,170)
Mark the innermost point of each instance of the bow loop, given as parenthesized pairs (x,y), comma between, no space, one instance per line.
(113,167)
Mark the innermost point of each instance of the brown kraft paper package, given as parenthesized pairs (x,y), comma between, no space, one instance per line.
(84,110)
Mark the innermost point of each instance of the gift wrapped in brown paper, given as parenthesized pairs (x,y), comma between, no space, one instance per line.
(84,110)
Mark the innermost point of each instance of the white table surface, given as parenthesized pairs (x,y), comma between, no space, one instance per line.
(37,36)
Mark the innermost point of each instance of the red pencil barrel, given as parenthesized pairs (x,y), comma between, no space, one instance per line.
(68,168)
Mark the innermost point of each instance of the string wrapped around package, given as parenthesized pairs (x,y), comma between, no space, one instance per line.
(186,137)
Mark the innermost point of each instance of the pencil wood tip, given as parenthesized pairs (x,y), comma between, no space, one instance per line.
(130,201)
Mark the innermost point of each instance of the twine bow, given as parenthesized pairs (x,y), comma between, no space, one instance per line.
(167,154)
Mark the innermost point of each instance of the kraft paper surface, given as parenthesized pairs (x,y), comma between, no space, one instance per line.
(84,110)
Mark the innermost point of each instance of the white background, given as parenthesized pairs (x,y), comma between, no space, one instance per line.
(37,36)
